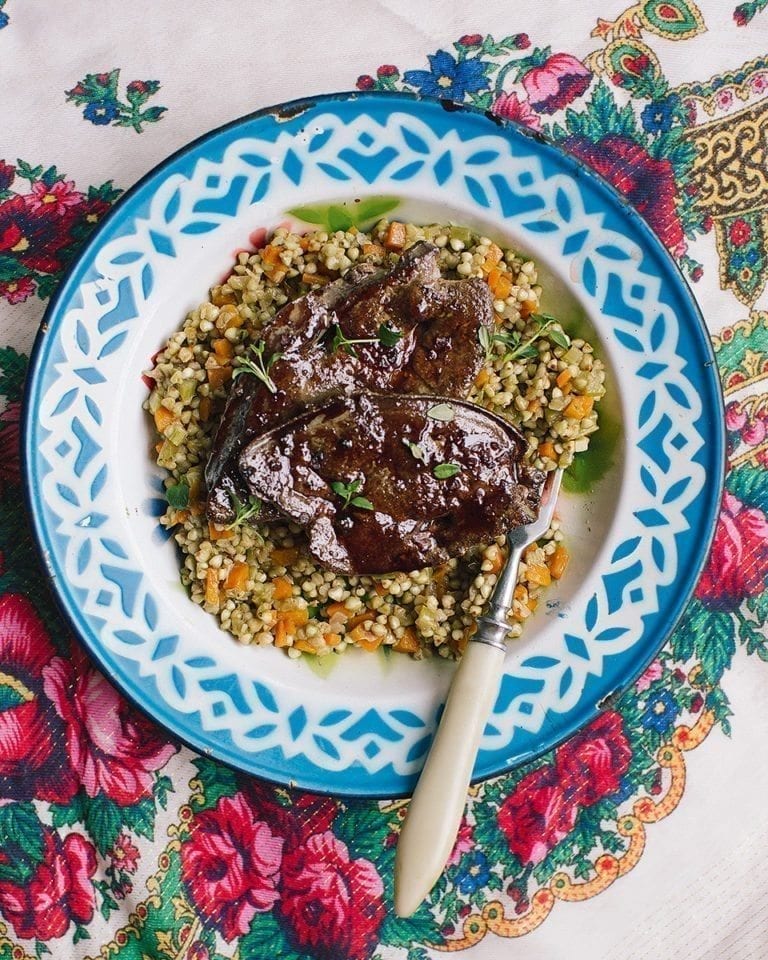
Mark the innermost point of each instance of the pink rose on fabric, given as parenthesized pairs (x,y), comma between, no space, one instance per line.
(332,905)
(113,748)
(231,865)
(738,562)
(536,816)
(652,672)
(511,107)
(31,735)
(560,80)
(59,892)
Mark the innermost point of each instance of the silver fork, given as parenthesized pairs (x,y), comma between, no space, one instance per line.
(434,813)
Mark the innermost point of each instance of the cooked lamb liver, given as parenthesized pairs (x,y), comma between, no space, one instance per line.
(437,352)
(431,488)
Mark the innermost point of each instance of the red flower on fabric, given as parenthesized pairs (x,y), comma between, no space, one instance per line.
(17,291)
(59,892)
(740,232)
(536,816)
(231,865)
(387,70)
(592,763)
(471,40)
(511,107)
(33,238)
(365,82)
(56,199)
(10,465)
(32,760)
(7,174)
(738,562)
(332,905)
(556,83)
(114,749)
(124,855)
(648,183)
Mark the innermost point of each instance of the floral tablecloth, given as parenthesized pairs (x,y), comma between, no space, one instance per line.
(115,841)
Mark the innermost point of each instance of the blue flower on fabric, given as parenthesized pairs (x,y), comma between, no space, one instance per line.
(448,77)
(659,115)
(473,872)
(101,112)
(660,713)
(625,791)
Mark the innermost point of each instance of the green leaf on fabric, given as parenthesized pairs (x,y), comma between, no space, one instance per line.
(104,820)
(403,931)
(72,812)
(684,636)
(715,645)
(750,485)
(266,939)
(163,786)
(364,830)
(717,701)
(80,934)
(11,269)
(216,781)
(140,817)
(21,841)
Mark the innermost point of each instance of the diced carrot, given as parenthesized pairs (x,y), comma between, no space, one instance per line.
(180,516)
(497,559)
(396,236)
(204,408)
(547,450)
(337,610)
(218,376)
(372,249)
(483,377)
(216,533)
(306,242)
(563,377)
(229,316)
(332,639)
(380,590)
(494,255)
(558,562)
(409,642)
(295,618)
(360,618)
(281,634)
(305,646)
(285,556)
(271,254)
(221,298)
(283,588)
(163,418)
(527,307)
(520,606)
(237,576)
(212,586)
(315,279)
(500,283)
(579,407)
(539,573)
(365,639)
(532,603)
(520,594)
(223,349)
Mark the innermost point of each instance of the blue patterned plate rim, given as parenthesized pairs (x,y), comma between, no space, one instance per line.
(594,696)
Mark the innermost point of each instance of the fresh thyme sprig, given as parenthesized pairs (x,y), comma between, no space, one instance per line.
(521,349)
(258,367)
(243,511)
(348,492)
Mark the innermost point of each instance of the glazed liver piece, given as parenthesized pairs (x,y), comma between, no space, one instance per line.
(437,353)
(390,447)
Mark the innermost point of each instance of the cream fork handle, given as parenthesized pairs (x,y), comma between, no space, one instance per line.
(434,813)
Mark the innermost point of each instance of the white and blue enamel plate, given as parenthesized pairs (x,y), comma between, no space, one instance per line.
(638,535)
